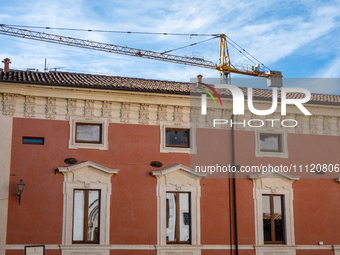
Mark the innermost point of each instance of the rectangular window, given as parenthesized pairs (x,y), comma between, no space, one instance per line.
(86,211)
(270,143)
(177,137)
(273,219)
(178,218)
(33,140)
(88,133)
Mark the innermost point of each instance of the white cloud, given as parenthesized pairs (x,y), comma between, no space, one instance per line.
(332,70)
(269,30)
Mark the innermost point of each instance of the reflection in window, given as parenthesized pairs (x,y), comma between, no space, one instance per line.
(178,224)
(88,133)
(270,142)
(273,219)
(86,216)
(177,137)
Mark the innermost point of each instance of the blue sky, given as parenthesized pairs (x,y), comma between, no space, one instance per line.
(299,38)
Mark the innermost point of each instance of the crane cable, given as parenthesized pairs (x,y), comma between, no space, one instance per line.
(167,51)
(110,31)
(240,49)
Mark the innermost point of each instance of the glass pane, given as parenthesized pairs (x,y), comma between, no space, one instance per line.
(93,216)
(269,142)
(89,133)
(278,218)
(171,217)
(177,138)
(266,218)
(33,140)
(78,215)
(184,227)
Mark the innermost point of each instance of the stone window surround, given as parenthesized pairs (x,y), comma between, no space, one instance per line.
(86,175)
(72,141)
(284,145)
(178,178)
(278,184)
(192,133)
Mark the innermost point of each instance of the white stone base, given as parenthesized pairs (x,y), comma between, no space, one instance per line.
(179,249)
(85,249)
(275,249)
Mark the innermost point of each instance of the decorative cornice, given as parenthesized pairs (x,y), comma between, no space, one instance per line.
(106,111)
(272,174)
(162,114)
(71,107)
(144,114)
(8,104)
(153,112)
(29,107)
(178,167)
(89,109)
(178,115)
(51,108)
(125,113)
(95,166)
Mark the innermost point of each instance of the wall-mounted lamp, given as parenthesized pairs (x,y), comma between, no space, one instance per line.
(21,186)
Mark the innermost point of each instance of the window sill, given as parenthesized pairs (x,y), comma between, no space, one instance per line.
(179,249)
(82,245)
(271,154)
(85,249)
(179,246)
(275,249)
(175,150)
(88,146)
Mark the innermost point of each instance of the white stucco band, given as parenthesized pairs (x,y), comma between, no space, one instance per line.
(178,178)
(6,123)
(60,103)
(87,175)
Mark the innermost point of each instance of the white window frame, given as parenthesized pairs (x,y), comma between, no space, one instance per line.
(192,139)
(87,175)
(284,147)
(104,145)
(178,178)
(272,183)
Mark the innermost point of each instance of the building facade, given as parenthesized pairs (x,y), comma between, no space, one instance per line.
(110,166)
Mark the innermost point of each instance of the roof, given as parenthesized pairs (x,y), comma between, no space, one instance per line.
(94,81)
(65,79)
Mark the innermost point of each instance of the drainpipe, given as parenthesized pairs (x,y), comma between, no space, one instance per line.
(234,181)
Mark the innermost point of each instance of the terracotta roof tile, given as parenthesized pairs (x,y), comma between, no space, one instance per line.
(136,84)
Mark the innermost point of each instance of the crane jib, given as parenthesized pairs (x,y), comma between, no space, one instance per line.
(224,65)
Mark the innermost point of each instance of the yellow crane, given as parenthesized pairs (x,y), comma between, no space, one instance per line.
(274,78)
